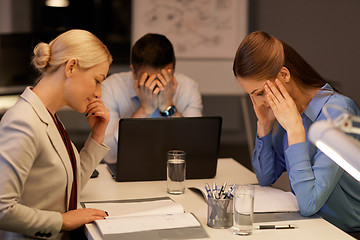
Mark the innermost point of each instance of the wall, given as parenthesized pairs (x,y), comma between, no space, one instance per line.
(14,16)
(325,32)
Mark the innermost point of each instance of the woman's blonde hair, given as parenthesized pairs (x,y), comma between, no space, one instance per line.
(78,44)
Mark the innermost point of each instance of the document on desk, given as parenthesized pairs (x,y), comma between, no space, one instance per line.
(267,199)
(146,223)
(139,215)
(156,206)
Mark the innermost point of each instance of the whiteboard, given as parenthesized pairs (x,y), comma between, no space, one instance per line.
(197,28)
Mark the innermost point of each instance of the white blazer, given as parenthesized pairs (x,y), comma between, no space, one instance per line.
(35,171)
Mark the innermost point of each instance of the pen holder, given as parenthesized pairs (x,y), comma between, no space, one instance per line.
(220,213)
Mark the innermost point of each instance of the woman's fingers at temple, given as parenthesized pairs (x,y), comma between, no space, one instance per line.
(271,98)
(271,102)
(273,91)
(282,89)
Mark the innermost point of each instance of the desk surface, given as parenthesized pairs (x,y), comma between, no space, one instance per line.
(105,188)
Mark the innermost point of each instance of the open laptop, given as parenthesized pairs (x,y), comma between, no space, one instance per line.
(143,145)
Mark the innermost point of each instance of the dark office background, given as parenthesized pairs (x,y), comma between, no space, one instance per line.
(109,20)
(324,32)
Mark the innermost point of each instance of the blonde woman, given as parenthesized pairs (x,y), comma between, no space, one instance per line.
(41,172)
(286,90)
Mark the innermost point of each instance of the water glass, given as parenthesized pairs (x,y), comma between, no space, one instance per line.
(176,171)
(243,209)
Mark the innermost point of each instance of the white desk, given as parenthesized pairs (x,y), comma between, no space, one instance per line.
(104,187)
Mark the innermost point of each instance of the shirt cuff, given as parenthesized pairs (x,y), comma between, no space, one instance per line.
(260,142)
(94,144)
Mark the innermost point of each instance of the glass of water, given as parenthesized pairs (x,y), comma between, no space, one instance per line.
(176,171)
(243,209)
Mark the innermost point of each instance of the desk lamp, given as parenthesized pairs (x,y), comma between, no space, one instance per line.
(328,135)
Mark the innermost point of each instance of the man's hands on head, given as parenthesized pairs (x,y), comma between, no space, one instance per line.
(147,91)
(155,91)
(167,88)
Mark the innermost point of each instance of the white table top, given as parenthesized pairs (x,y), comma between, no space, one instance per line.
(104,187)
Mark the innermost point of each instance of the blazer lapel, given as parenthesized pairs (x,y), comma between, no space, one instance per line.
(53,134)
(59,147)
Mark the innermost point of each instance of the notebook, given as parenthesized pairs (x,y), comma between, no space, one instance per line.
(144,142)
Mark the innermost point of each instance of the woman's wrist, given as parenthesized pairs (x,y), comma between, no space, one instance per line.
(99,138)
(263,129)
(296,135)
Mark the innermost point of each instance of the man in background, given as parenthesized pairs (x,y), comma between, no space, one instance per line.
(150,90)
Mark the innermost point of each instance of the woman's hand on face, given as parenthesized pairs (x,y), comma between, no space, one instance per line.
(76,218)
(98,117)
(285,111)
(265,118)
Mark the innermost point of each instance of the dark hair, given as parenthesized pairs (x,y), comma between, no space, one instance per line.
(153,50)
(262,56)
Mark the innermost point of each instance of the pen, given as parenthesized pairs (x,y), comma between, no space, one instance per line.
(231,191)
(276,227)
(214,190)
(222,189)
(208,190)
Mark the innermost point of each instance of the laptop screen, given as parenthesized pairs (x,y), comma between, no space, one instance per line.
(143,144)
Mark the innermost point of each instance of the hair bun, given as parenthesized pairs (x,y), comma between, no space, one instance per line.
(41,57)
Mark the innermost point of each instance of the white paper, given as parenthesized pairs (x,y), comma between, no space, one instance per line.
(146,223)
(267,199)
(125,209)
(125,217)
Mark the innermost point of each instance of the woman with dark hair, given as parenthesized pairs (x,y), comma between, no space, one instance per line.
(285,89)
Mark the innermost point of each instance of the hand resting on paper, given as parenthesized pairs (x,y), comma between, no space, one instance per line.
(76,218)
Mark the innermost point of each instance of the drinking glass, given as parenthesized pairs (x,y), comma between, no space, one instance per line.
(176,171)
(243,209)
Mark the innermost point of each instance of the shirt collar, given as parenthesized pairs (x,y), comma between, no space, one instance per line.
(314,108)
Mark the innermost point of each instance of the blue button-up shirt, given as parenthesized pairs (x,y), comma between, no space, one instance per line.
(319,184)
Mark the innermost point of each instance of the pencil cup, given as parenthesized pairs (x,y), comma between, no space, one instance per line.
(176,171)
(243,209)
(220,213)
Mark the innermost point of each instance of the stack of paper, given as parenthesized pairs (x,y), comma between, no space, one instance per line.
(146,223)
(131,216)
